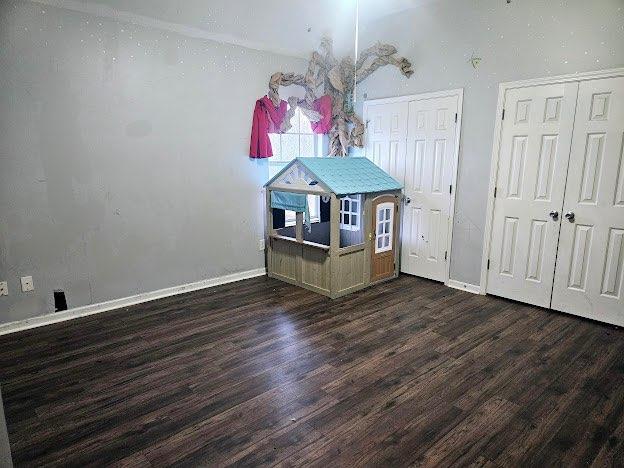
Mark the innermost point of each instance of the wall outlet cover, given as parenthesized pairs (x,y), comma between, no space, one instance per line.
(4,288)
(260,244)
(27,284)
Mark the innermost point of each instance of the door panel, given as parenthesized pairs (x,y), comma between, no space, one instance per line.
(431,136)
(533,161)
(384,237)
(590,263)
(385,139)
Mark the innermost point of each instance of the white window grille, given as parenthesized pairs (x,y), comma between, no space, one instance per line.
(384,227)
(350,216)
(299,141)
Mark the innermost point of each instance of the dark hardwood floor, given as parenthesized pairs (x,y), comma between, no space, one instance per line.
(260,372)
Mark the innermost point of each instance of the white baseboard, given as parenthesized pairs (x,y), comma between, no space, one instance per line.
(471,288)
(92,309)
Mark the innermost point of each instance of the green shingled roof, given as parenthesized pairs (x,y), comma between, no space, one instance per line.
(345,176)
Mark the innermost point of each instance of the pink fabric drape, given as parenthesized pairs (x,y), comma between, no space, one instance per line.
(266,119)
(323,106)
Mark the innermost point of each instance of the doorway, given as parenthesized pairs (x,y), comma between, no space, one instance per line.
(416,140)
(555,227)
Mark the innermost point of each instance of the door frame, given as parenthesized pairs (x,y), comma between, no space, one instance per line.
(498,129)
(459,92)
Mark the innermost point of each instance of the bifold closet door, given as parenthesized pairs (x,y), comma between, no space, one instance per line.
(533,162)
(590,262)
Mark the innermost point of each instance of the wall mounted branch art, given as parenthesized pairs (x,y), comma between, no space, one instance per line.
(336,79)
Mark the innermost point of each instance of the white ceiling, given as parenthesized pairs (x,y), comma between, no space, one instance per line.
(291,27)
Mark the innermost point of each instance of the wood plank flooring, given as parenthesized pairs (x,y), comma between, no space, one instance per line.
(260,373)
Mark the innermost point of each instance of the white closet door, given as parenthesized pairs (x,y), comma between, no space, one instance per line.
(590,263)
(429,172)
(385,138)
(533,161)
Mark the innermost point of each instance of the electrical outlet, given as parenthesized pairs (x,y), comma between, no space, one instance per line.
(260,244)
(4,288)
(27,284)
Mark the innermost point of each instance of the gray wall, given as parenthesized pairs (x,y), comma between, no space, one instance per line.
(123,157)
(524,39)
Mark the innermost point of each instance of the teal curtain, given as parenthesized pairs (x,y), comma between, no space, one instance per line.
(297,202)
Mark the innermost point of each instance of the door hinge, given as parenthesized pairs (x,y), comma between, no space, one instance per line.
(455,117)
(445,254)
(488,264)
(451,188)
(503,117)
(495,190)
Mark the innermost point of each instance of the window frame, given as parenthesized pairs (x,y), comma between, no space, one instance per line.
(385,207)
(350,212)
(278,162)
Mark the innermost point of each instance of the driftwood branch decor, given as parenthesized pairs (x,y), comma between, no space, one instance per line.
(336,79)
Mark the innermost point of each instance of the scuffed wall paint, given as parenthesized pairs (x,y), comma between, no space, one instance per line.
(520,40)
(123,157)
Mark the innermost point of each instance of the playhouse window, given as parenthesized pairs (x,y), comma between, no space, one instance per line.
(314,206)
(350,212)
(384,226)
(319,230)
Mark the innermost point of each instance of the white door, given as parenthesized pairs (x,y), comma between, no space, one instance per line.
(429,174)
(533,161)
(590,262)
(385,137)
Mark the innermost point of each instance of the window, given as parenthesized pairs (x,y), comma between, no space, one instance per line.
(383,233)
(300,140)
(350,212)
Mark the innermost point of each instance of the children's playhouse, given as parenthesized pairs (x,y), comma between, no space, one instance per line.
(332,224)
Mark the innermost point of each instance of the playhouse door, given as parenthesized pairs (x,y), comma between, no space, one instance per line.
(383,237)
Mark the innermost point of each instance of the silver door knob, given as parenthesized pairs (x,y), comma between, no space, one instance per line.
(408,200)
(570,216)
(554,215)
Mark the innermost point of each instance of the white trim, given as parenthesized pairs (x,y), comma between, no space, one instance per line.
(92,309)
(104,11)
(582,76)
(471,288)
(459,92)
(502,90)
(449,237)
(489,210)
(416,97)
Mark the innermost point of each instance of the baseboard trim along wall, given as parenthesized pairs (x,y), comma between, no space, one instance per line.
(471,288)
(92,309)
